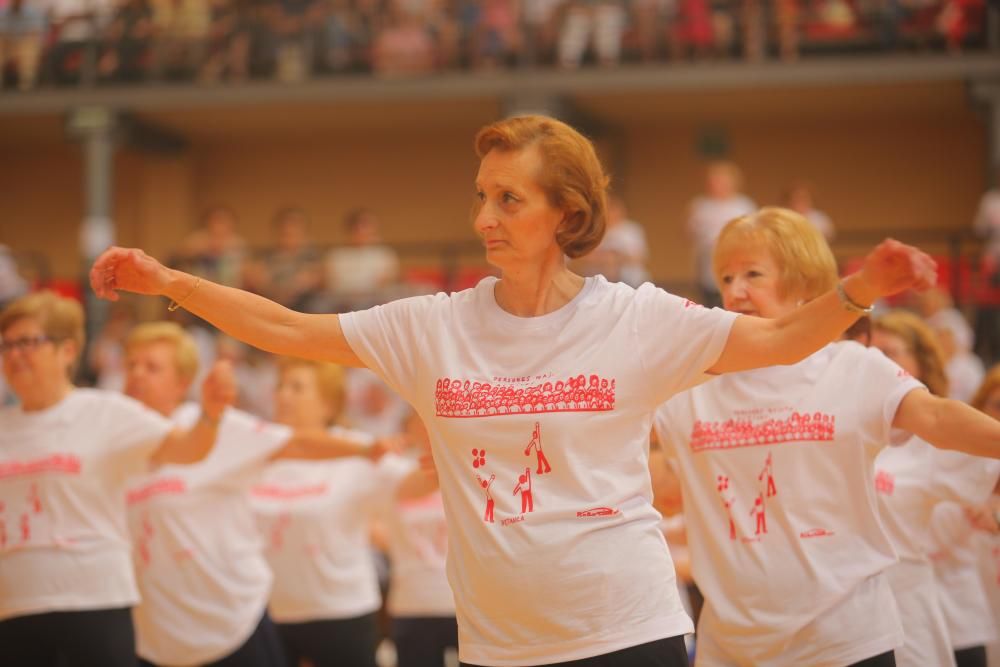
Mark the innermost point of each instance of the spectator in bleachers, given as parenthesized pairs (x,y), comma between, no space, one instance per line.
(290,272)
(600,21)
(22,34)
(799,198)
(215,251)
(337,38)
(241,39)
(649,25)
(497,33)
(297,23)
(709,213)
(404,46)
(540,26)
(182,29)
(129,40)
(357,273)
(79,27)
(694,30)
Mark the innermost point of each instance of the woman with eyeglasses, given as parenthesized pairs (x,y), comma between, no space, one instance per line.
(66,576)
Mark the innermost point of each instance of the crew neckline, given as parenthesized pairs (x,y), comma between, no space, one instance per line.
(558,315)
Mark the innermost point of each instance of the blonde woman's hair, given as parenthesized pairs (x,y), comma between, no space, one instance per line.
(923,345)
(185,350)
(330,380)
(803,256)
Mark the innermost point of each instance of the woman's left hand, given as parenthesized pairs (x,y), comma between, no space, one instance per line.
(892,267)
(218,391)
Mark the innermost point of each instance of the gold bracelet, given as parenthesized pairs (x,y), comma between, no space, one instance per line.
(850,304)
(174,305)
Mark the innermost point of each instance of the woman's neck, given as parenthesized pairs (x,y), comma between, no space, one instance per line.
(537,291)
(44,398)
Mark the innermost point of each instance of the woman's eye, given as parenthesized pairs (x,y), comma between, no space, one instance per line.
(481,196)
(726,280)
(508,198)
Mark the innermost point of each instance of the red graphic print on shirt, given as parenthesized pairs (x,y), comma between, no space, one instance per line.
(524,488)
(722,486)
(760,511)
(64,463)
(144,540)
(733,433)
(536,442)
(159,487)
(478,458)
(885,482)
(768,472)
(456,398)
(486,484)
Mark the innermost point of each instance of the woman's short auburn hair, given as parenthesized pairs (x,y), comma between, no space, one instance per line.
(923,344)
(61,318)
(990,384)
(808,268)
(330,381)
(185,349)
(572,176)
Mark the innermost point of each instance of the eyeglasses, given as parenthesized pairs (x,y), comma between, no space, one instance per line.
(26,344)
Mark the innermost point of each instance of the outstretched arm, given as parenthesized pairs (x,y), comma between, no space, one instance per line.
(755,342)
(218,391)
(948,424)
(247,317)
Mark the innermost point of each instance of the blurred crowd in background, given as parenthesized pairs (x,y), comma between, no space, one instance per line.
(65,42)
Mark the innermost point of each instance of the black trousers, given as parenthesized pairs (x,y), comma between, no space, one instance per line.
(971,657)
(331,643)
(92,638)
(887,659)
(422,641)
(262,649)
(670,652)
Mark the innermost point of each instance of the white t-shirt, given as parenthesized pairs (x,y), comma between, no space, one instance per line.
(708,217)
(417,546)
(777,474)
(314,517)
(956,549)
(540,434)
(910,480)
(198,556)
(64,543)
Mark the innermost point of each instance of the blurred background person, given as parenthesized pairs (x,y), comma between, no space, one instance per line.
(600,23)
(623,253)
(356,273)
(215,250)
(290,270)
(910,479)
(23,27)
(955,337)
(799,198)
(411,519)
(708,213)
(315,518)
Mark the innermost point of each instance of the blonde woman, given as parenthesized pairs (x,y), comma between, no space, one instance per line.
(776,467)
(199,558)
(315,519)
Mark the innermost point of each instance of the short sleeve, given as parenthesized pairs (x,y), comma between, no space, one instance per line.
(133,431)
(678,340)
(962,478)
(388,339)
(246,441)
(881,386)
